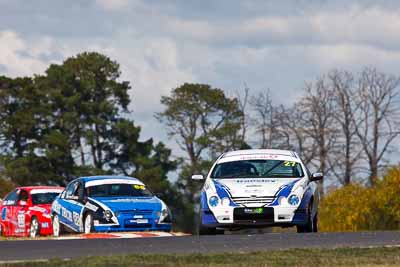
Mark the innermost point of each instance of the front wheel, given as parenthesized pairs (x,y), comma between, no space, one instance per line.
(203,230)
(34,230)
(315,223)
(88,223)
(312,223)
(57,228)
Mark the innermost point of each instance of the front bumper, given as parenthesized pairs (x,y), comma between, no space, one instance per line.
(125,223)
(117,228)
(235,216)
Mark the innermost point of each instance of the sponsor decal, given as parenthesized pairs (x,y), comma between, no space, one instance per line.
(265,156)
(8,202)
(113,181)
(256,191)
(139,187)
(45,225)
(66,214)
(90,206)
(254,211)
(56,207)
(245,181)
(21,219)
(76,218)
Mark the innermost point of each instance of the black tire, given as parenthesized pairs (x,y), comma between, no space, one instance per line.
(315,223)
(34,229)
(88,223)
(309,226)
(207,230)
(1,231)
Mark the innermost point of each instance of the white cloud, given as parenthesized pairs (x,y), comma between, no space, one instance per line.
(113,5)
(374,26)
(19,58)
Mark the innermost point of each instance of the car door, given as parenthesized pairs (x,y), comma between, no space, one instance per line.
(19,218)
(6,212)
(71,206)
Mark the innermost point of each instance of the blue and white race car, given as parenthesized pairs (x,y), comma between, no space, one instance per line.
(106,204)
(259,188)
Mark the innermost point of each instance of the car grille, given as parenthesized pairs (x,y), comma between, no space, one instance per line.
(253,200)
(135,212)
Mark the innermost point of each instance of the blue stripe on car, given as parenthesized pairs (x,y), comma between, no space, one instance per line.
(223,192)
(284,192)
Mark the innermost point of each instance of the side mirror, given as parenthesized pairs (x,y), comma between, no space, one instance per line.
(197,177)
(317,176)
(159,195)
(22,203)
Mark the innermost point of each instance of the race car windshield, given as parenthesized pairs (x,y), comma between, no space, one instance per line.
(119,190)
(258,168)
(44,198)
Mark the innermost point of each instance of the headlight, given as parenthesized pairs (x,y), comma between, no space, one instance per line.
(164,212)
(293,200)
(108,215)
(164,215)
(213,201)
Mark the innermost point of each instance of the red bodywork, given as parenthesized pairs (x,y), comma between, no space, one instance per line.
(18,209)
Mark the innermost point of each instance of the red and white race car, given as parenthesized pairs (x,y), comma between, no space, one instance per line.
(25,211)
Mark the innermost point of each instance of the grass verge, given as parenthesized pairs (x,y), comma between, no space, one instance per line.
(353,257)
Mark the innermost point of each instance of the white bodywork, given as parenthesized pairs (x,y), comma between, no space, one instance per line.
(249,190)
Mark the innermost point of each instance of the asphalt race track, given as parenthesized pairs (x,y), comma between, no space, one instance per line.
(66,249)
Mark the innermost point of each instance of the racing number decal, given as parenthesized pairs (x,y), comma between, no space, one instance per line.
(21,219)
(139,187)
(289,163)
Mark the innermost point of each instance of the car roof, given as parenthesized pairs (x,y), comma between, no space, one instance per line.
(41,187)
(105,177)
(279,152)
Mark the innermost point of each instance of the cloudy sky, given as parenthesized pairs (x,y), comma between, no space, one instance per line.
(226,43)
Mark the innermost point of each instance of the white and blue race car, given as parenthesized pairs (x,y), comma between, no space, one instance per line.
(259,188)
(107,204)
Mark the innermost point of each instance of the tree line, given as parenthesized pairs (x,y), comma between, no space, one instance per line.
(74,120)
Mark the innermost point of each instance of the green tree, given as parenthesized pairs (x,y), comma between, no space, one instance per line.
(205,123)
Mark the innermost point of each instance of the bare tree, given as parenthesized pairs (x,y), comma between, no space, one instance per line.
(318,110)
(292,133)
(379,115)
(347,151)
(264,118)
(242,102)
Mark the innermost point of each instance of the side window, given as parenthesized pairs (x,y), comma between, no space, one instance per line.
(11,199)
(23,196)
(70,191)
(79,191)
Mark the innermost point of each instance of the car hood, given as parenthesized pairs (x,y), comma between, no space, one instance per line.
(246,187)
(128,203)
